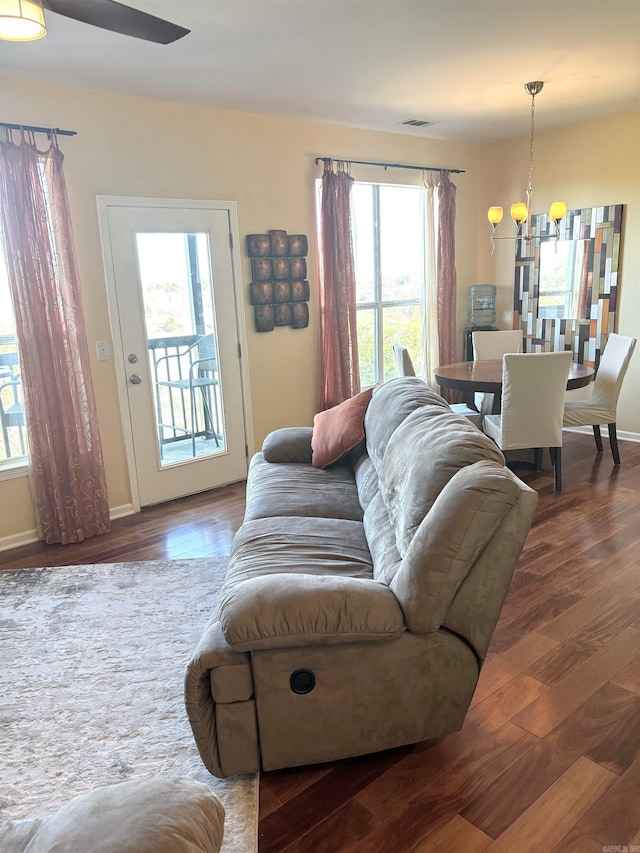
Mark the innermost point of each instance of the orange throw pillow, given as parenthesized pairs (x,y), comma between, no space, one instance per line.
(338,430)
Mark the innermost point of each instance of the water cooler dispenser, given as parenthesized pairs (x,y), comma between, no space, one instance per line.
(481,314)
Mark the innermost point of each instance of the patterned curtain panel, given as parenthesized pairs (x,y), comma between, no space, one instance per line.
(339,370)
(447,279)
(65,454)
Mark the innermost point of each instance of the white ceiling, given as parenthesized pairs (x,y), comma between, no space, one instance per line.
(366,63)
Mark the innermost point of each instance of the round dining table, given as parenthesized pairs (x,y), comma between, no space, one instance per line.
(486,376)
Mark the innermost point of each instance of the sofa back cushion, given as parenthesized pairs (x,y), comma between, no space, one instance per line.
(428,448)
(469,516)
(389,406)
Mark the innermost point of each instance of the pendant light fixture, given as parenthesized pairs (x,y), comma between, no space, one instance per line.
(21,20)
(521,210)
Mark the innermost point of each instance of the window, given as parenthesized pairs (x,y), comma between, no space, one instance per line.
(13,456)
(389,250)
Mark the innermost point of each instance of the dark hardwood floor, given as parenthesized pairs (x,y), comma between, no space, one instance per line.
(549,756)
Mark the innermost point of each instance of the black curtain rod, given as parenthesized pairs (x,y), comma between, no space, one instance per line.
(391,165)
(34,129)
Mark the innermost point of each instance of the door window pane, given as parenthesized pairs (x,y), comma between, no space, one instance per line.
(175,279)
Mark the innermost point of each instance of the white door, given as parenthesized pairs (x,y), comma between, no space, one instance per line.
(174,302)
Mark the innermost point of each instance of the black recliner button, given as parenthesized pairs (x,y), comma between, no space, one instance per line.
(302,681)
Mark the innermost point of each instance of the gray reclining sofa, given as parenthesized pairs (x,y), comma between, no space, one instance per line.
(360,599)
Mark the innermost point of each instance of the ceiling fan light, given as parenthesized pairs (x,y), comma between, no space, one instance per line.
(21,20)
(557,211)
(494,215)
(519,212)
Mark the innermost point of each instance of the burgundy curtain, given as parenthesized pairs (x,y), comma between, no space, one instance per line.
(65,454)
(339,371)
(446,271)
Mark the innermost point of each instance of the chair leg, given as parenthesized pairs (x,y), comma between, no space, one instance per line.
(557,463)
(538,458)
(598,437)
(613,439)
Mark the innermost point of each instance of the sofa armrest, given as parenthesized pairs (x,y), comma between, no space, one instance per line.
(290,444)
(276,611)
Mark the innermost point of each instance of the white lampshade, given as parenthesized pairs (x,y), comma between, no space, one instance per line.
(21,20)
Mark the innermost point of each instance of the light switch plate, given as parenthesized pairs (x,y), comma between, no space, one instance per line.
(102,349)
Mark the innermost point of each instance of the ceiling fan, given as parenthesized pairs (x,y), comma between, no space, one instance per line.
(23,20)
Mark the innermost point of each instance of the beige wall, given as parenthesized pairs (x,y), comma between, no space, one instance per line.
(141,147)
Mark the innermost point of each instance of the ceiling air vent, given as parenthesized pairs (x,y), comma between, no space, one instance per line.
(416,122)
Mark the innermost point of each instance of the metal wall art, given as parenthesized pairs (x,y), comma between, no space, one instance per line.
(279,290)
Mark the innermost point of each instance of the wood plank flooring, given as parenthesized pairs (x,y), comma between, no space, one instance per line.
(549,756)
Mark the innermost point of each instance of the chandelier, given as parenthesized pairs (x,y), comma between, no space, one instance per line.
(521,210)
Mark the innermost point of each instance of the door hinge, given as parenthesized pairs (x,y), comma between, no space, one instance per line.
(230,239)
(239,351)
(246,451)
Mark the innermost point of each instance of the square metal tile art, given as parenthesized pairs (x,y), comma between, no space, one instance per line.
(583,269)
(279,291)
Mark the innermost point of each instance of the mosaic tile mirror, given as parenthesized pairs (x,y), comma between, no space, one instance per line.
(566,290)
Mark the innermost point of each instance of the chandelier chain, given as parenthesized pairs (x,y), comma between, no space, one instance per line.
(533,110)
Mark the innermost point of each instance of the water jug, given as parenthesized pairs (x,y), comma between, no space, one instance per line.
(482,305)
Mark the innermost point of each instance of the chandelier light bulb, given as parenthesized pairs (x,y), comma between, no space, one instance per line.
(557,211)
(494,215)
(519,212)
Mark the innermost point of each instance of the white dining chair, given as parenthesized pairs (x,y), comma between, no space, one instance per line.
(404,364)
(533,390)
(492,345)
(600,407)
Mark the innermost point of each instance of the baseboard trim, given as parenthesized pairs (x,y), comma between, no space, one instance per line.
(125,509)
(18,539)
(28,537)
(623,435)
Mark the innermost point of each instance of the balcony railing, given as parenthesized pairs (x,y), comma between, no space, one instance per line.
(13,448)
(182,415)
(185,376)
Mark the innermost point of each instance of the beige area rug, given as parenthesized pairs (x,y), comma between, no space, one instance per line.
(92,664)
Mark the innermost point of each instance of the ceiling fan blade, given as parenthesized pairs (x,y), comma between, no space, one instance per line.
(109,15)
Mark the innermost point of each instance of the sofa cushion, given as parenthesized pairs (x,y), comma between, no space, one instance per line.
(338,430)
(288,489)
(308,610)
(423,454)
(462,520)
(311,546)
(289,444)
(155,815)
(381,537)
(390,405)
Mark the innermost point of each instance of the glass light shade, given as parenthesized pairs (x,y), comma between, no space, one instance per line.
(557,210)
(21,20)
(519,212)
(494,215)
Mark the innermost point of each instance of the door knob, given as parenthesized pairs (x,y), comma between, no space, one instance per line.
(134,379)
